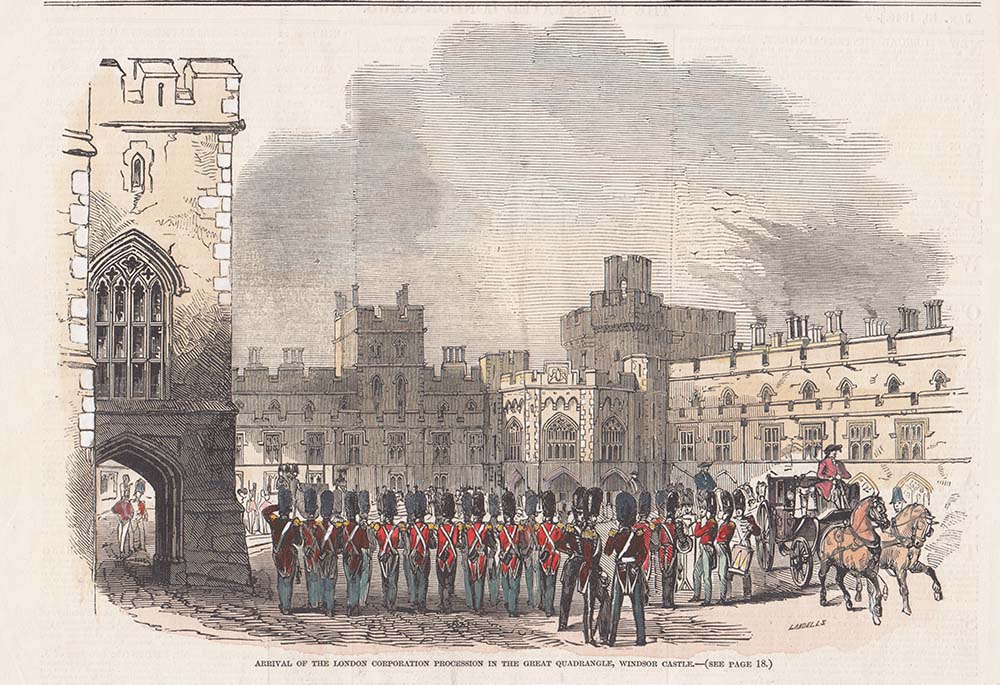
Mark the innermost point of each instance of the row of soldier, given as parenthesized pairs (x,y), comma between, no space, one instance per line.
(495,555)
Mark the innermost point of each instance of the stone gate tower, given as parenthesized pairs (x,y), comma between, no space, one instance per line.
(153,209)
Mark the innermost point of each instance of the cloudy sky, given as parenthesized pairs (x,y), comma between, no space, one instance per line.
(493,165)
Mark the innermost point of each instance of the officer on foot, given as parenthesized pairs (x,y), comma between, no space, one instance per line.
(670,539)
(570,544)
(584,549)
(286,536)
(628,548)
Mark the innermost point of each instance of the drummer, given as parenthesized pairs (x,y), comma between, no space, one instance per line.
(746,530)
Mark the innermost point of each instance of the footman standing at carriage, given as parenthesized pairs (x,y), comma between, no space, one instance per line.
(704,532)
(746,530)
(449,540)
(513,548)
(329,548)
(477,549)
(419,541)
(629,549)
(389,543)
(355,541)
(549,533)
(569,543)
(286,536)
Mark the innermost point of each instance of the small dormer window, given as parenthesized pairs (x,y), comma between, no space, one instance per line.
(138,174)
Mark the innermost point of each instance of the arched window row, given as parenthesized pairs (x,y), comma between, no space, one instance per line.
(560,438)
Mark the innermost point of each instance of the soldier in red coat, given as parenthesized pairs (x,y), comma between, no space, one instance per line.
(124,510)
(449,540)
(420,539)
(514,547)
(286,536)
(569,544)
(723,536)
(389,540)
(643,522)
(478,546)
(668,538)
(629,550)
(354,539)
(329,548)
(546,537)
(586,546)
(704,533)
(312,533)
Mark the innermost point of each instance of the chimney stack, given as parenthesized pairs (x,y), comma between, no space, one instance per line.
(869,327)
(758,334)
(340,300)
(834,321)
(776,340)
(908,319)
(932,312)
(354,295)
(254,359)
(816,334)
(292,356)
(403,296)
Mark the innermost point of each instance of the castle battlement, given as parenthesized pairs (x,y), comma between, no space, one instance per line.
(158,93)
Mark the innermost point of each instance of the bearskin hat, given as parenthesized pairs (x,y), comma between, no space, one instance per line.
(548,504)
(508,504)
(447,505)
(594,498)
(725,501)
(670,503)
(388,505)
(140,487)
(284,501)
(478,505)
(309,502)
(645,504)
(740,500)
(580,499)
(467,504)
(530,503)
(661,500)
(708,501)
(494,501)
(350,505)
(364,502)
(419,504)
(625,509)
(326,504)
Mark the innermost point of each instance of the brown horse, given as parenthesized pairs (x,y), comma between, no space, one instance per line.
(901,551)
(855,547)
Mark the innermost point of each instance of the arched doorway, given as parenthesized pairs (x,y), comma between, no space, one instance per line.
(612,483)
(143,460)
(563,485)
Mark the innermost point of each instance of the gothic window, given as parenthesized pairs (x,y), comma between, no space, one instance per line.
(910,439)
(893,385)
(274,407)
(685,441)
(129,324)
(396,448)
(728,398)
(859,439)
(138,167)
(470,407)
(442,408)
(440,448)
(771,437)
(377,394)
(272,448)
(241,440)
(845,388)
(314,448)
(513,437)
(809,390)
(476,445)
(353,444)
(400,348)
(375,350)
(560,438)
(695,399)
(343,403)
(612,440)
(400,396)
(308,411)
(939,380)
(812,441)
(722,437)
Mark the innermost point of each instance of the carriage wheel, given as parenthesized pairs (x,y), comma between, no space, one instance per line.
(800,561)
(767,541)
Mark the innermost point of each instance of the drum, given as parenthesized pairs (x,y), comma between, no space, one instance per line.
(742,555)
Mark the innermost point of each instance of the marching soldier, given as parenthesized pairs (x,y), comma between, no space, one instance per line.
(477,550)
(569,543)
(389,541)
(645,508)
(419,543)
(549,533)
(364,506)
(629,549)
(584,549)
(723,536)
(704,532)
(746,530)
(312,532)
(513,548)
(467,517)
(449,539)
(329,542)
(531,533)
(286,536)
(493,563)
(409,503)
(670,539)
(355,545)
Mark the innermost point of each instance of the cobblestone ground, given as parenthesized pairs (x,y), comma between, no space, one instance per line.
(254,614)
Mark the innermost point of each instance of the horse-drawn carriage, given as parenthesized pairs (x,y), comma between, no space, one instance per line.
(794,515)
